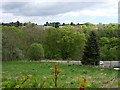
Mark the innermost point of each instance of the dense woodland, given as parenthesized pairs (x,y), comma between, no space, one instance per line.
(87,42)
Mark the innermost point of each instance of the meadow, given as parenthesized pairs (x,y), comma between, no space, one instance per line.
(33,74)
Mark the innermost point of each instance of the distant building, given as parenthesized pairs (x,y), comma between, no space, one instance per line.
(100,26)
(61,26)
(40,26)
(77,27)
(45,27)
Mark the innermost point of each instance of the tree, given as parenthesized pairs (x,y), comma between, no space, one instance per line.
(36,52)
(16,41)
(118,50)
(91,51)
(78,23)
(70,41)
(88,24)
(103,41)
(63,42)
(52,35)
(17,23)
(63,24)
(10,41)
(47,24)
(71,23)
(56,24)
(105,53)
(109,48)
(17,54)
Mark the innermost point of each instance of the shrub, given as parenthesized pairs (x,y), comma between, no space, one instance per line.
(13,54)
(36,51)
(17,54)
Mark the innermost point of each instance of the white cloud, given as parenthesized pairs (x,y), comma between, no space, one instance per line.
(67,21)
(60,0)
(100,12)
(107,9)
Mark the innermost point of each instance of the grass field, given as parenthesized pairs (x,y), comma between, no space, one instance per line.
(38,74)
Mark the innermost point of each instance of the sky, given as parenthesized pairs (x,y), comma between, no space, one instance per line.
(42,11)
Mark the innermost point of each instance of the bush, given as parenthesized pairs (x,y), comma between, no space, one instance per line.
(36,52)
(17,54)
(12,54)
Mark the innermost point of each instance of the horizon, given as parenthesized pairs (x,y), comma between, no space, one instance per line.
(59,22)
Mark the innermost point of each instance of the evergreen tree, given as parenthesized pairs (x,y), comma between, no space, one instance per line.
(91,51)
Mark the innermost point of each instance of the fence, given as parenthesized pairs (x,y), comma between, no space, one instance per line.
(104,63)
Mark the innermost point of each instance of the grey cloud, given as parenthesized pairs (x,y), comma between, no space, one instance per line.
(119,12)
(11,6)
(45,9)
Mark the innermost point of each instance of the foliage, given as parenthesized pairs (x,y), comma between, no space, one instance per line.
(63,42)
(17,40)
(118,50)
(10,43)
(36,51)
(67,42)
(109,48)
(91,51)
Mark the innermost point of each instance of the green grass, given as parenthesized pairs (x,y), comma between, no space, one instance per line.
(98,77)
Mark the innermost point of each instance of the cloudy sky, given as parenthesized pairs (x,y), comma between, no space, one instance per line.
(77,11)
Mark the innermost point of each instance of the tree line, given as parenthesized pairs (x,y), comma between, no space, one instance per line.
(67,43)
